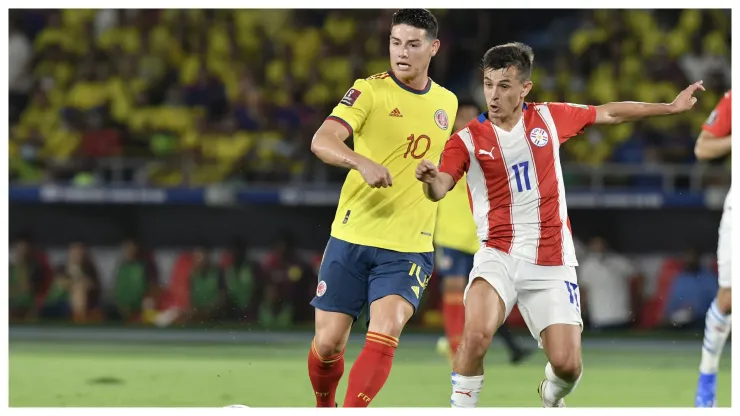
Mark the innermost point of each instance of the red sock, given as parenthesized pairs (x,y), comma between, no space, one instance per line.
(325,374)
(371,369)
(453,312)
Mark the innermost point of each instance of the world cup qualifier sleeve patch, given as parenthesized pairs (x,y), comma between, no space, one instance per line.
(350,97)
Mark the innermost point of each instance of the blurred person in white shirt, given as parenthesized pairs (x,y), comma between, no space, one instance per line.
(606,278)
(20,53)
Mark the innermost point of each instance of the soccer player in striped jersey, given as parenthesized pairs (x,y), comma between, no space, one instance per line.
(715,141)
(510,155)
(380,253)
(456,243)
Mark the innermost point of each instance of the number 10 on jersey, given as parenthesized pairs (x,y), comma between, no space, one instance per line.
(522,169)
(418,146)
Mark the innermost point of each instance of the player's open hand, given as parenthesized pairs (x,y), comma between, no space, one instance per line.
(426,171)
(375,174)
(686,100)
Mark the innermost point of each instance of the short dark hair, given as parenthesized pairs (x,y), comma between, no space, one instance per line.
(418,18)
(515,54)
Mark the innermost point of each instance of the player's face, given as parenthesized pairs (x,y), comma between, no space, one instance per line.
(504,91)
(410,51)
(464,115)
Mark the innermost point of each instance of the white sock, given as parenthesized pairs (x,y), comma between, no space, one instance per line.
(465,390)
(717,329)
(556,388)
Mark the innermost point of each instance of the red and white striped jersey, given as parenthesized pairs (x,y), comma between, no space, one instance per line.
(515,182)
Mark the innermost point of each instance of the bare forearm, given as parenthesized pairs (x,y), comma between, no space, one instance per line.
(437,190)
(333,151)
(711,148)
(620,112)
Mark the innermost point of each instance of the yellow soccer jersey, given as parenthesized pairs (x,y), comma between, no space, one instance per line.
(455,224)
(396,126)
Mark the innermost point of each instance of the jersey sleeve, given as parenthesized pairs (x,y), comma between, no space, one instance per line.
(571,119)
(455,158)
(354,108)
(719,122)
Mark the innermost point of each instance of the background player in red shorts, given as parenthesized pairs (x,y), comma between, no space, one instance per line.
(715,141)
(510,155)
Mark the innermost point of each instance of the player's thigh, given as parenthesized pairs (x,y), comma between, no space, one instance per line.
(485,311)
(453,267)
(494,268)
(489,298)
(724,251)
(549,295)
(342,286)
(401,278)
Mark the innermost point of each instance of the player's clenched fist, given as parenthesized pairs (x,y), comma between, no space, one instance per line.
(426,171)
(375,174)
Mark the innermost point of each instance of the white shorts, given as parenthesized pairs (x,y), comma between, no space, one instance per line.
(724,249)
(546,295)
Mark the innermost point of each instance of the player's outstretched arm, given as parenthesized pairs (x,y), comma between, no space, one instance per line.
(708,146)
(621,112)
(436,184)
(328,144)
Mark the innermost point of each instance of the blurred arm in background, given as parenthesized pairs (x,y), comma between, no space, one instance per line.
(716,133)
(708,146)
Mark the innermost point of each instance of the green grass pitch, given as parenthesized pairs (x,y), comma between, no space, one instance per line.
(167,375)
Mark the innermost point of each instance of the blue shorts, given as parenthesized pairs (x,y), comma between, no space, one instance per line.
(453,263)
(352,276)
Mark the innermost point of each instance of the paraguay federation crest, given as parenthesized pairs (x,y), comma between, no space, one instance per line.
(440,117)
(539,137)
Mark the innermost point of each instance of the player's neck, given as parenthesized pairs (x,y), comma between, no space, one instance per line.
(507,122)
(418,82)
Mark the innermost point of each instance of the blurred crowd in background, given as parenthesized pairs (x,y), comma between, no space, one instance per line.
(272,288)
(136,285)
(197,97)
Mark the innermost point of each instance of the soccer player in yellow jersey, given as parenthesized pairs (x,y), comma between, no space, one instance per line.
(456,243)
(380,252)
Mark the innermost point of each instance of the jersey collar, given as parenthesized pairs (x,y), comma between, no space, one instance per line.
(409,89)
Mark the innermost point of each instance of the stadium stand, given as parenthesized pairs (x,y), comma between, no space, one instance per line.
(168,97)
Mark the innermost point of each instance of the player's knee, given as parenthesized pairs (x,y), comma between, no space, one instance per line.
(328,345)
(566,364)
(389,315)
(724,300)
(332,331)
(476,340)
